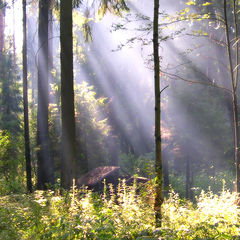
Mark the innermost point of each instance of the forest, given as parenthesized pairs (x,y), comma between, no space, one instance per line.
(119,119)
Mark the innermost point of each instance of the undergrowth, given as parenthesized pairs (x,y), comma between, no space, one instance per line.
(122,213)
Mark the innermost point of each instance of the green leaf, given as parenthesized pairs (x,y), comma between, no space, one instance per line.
(207,4)
(191,3)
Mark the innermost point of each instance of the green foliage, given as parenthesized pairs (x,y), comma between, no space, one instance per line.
(11,139)
(202,182)
(127,163)
(216,182)
(142,166)
(4,144)
(116,214)
(10,96)
(92,125)
(78,214)
(11,163)
(214,217)
(212,150)
(113,6)
(90,107)
(33,138)
(76,3)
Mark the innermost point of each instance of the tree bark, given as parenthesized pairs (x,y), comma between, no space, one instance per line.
(158,163)
(45,174)
(25,101)
(68,159)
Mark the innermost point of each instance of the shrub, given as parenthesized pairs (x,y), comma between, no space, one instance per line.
(117,214)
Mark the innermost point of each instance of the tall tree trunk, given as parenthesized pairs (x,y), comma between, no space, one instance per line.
(45,164)
(234,82)
(158,163)
(68,160)
(25,101)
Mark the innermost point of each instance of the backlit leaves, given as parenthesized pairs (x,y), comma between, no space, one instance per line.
(207,4)
(120,213)
(190,3)
(115,7)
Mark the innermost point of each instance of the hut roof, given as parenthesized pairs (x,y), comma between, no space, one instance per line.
(96,175)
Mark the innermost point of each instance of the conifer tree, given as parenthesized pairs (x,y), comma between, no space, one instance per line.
(158,153)
(68,158)
(25,101)
(45,174)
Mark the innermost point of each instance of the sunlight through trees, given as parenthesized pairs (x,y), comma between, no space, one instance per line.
(119,119)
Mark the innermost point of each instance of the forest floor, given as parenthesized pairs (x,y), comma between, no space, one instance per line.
(120,214)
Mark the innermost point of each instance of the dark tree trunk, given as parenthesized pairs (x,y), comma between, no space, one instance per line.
(68,160)
(158,163)
(25,101)
(45,174)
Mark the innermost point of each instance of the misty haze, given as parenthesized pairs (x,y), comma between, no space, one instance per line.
(119,119)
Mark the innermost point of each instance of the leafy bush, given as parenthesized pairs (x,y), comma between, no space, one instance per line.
(117,214)
(11,163)
(202,181)
(142,166)
(214,217)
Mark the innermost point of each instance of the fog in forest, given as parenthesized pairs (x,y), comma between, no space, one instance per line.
(119,119)
(114,90)
(125,76)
